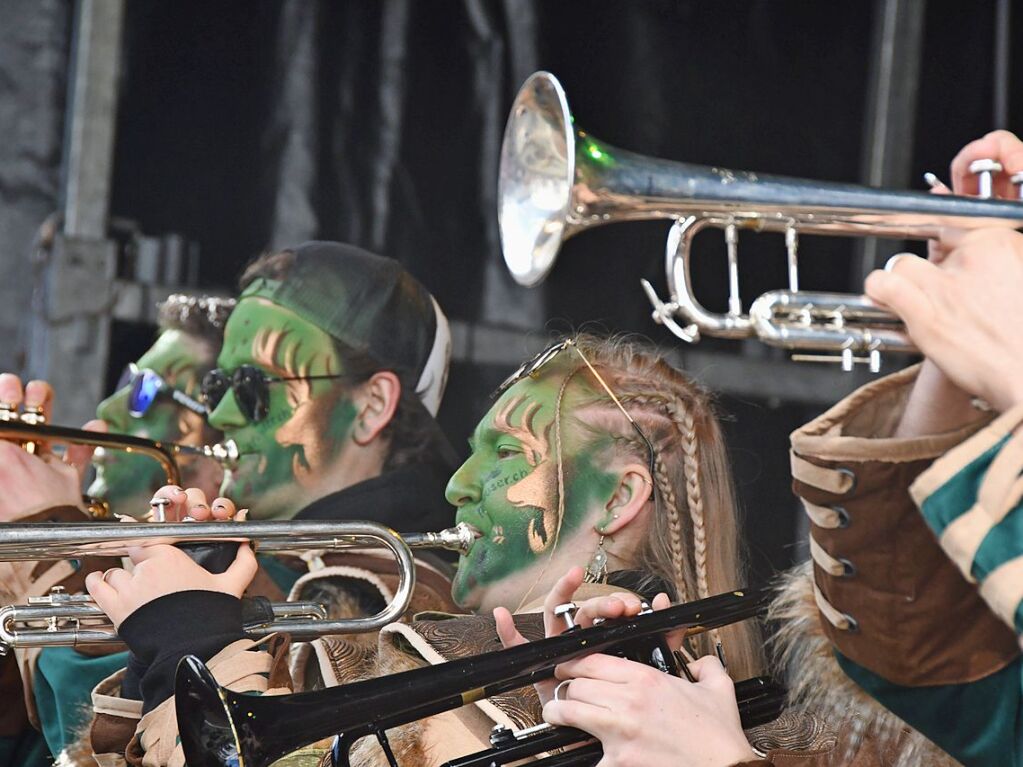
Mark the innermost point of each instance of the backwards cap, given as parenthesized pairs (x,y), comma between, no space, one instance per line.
(371,304)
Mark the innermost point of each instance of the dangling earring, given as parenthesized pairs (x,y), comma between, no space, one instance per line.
(596,570)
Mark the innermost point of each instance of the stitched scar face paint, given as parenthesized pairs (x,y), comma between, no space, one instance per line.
(508,488)
(125,480)
(284,456)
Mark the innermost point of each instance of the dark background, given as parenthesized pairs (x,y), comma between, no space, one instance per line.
(249,125)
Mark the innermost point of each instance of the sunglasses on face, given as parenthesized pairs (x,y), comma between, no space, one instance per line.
(147,386)
(531,369)
(251,387)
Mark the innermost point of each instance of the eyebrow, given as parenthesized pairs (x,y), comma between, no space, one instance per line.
(483,435)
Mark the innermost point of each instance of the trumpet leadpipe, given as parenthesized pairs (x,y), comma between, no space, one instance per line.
(74,540)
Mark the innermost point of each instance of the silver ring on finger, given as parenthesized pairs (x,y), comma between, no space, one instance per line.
(557,690)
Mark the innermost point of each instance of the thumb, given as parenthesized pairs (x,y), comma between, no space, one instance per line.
(239,575)
(506,630)
(80,455)
(673,638)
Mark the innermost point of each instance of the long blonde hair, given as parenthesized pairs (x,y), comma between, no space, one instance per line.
(695,544)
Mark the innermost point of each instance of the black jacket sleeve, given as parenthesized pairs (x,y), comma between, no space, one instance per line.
(161,633)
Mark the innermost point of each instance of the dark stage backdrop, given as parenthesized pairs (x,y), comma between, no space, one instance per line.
(249,125)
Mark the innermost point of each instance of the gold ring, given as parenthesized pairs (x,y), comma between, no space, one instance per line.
(107,572)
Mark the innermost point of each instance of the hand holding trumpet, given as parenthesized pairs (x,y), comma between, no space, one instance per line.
(163,569)
(30,483)
(965,315)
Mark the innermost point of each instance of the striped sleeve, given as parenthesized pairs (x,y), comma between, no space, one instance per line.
(972,498)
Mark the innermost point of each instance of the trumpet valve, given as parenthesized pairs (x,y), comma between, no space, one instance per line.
(225,453)
(985,169)
(1017,181)
(567,613)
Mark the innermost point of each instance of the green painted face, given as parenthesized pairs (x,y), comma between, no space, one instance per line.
(508,488)
(285,457)
(127,481)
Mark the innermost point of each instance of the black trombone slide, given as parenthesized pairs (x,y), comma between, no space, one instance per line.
(221,728)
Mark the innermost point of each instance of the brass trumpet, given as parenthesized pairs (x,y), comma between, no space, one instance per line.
(31,431)
(556,180)
(27,541)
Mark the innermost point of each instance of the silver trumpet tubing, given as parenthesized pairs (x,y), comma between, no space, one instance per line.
(58,541)
(556,180)
(60,619)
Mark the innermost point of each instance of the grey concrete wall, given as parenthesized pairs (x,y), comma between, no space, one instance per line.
(34,43)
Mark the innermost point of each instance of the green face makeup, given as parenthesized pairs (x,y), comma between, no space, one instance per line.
(285,455)
(127,481)
(508,488)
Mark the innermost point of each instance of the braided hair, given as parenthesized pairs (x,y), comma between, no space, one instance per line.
(694,544)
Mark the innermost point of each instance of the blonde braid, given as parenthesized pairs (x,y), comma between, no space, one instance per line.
(664,487)
(694,497)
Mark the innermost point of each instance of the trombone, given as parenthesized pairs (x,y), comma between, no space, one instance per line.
(28,541)
(219,727)
(556,181)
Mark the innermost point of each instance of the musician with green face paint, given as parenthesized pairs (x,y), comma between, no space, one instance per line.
(333,365)
(156,399)
(604,456)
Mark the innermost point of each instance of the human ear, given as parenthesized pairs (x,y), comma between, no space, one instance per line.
(376,401)
(634,490)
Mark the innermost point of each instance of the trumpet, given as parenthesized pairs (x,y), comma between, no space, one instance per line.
(27,541)
(28,428)
(556,180)
(60,619)
(218,727)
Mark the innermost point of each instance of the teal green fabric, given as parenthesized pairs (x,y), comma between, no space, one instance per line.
(979,723)
(279,573)
(63,691)
(27,749)
(957,496)
(1003,542)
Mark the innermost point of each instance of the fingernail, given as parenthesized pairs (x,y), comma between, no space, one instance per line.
(933,181)
(219,506)
(188,518)
(200,506)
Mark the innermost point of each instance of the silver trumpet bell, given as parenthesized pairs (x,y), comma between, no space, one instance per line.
(556,180)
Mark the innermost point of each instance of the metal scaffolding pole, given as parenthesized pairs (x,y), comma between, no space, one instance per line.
(70,335)
(896,53)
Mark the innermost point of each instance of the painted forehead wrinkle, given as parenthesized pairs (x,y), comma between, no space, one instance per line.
(537,445)
(283,352)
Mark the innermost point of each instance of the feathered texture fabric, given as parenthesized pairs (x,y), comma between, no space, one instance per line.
(805,659)
(407,740)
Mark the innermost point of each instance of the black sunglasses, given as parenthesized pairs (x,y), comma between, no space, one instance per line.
(147,386)
(251,387)
(531,368)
